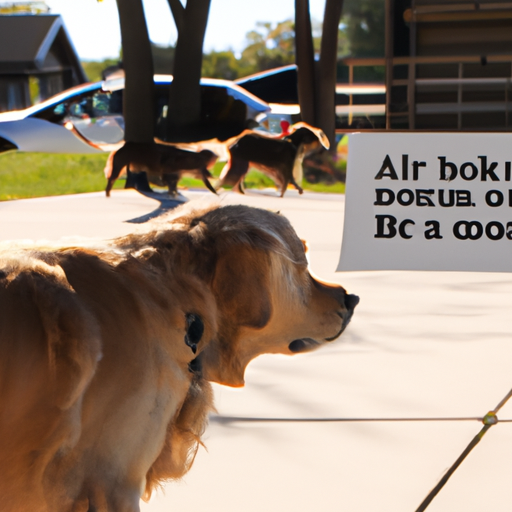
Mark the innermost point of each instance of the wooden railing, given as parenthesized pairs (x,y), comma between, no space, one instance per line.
(412,84)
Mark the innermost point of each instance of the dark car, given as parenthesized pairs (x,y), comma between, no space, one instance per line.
(357,105)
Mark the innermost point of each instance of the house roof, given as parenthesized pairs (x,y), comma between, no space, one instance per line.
(35,44)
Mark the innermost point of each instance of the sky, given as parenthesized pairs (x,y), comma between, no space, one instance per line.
(94,26)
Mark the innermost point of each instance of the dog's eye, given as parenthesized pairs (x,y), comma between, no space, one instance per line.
(195,330)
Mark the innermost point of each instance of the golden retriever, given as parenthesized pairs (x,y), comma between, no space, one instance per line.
(106,352)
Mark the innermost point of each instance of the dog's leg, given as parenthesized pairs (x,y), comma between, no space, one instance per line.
(234,173)
(171,180)
(121,159)
(138,181)
(281,175)
(298,169)
(117,166)
(205,174)
(297,186)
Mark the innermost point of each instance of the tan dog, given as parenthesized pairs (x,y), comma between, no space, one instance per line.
(280,158)
(164,164)
(106,353)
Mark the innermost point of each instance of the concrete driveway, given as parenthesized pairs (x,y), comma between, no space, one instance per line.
(425,356)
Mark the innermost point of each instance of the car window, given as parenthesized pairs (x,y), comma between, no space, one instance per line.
(91,104)
(98,117)
(99,104)
(53,113)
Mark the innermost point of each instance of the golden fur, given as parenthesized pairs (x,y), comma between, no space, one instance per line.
(106,353)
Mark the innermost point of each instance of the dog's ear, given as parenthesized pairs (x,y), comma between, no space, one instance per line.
(241,289)
(319,134)
(240,285)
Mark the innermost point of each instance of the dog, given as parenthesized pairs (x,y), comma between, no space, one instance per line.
(280,158)
(107,350)
(164,164)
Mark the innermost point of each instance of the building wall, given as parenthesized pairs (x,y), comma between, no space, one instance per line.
(14,93)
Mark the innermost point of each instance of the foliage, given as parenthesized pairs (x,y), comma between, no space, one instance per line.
(94,69)
(365,27)
(222,64)
(343,40)
(33,89)
(163,59)
(267,46)
(24,8)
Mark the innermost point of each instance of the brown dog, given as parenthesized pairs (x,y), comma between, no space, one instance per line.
(106,352)
(163,164)
(280,158)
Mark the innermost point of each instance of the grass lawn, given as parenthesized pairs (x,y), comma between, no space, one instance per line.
(40,174)
(24,175)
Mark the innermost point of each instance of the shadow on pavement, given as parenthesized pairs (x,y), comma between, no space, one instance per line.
(166,203)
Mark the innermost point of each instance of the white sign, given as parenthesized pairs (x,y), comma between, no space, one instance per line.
(428,202)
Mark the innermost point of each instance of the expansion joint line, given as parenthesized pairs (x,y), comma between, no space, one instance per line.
(489,420)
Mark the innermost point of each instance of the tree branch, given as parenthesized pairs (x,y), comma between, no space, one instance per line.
(178,13)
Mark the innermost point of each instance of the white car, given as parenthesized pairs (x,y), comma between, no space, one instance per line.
(88,118)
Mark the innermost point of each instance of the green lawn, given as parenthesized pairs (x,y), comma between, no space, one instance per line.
(25,175)
(41,174)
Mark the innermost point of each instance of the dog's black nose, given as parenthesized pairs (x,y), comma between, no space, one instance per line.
(351,301)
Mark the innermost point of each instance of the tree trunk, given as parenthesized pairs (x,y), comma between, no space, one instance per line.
(317,80)
(326,77)
(184,112)
(305,59)
(138,98)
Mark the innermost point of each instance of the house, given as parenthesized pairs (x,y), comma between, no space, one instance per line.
(449,64)
(37,59)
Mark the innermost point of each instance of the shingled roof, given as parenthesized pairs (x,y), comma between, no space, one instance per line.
(31,44)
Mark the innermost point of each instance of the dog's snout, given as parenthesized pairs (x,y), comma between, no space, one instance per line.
(351,301)
(333,290)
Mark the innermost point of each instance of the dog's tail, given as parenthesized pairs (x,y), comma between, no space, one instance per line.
(211,158)
(205,174)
